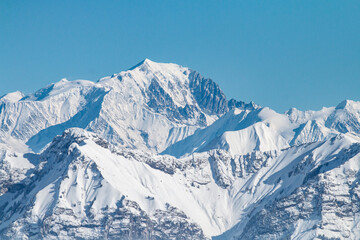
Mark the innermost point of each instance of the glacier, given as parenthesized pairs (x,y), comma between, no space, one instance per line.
(159,152)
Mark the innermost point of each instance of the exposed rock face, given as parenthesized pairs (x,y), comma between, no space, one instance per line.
(208,94)
(127,221)
(232,103)
(161,102)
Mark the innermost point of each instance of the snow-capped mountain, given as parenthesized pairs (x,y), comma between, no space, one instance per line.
(158,152)
(148,107)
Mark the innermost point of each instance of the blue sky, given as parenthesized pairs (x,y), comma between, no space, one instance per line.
(281,54)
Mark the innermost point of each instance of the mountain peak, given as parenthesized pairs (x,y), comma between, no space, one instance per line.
(12,97)
(348,104)
(342,105)
(146,62)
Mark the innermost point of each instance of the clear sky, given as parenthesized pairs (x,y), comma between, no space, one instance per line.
(281,54)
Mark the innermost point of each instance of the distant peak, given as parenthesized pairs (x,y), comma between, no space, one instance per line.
(145,62)
(292,110)
(61,82)
(343,104)
(13,96)
(346,104)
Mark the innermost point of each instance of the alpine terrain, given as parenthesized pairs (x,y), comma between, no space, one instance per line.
(159,152)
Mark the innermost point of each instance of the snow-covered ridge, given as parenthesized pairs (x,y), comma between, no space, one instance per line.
(131,108)
(158,152)
(243,131)
(81,176)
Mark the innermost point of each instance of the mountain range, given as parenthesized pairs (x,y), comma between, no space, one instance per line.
(159,152)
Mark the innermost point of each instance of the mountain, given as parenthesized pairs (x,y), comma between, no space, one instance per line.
(159,152)
(130,108)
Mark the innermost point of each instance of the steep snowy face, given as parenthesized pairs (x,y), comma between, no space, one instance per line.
(239,132)
(345,118)
(319,125)
(311,131)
